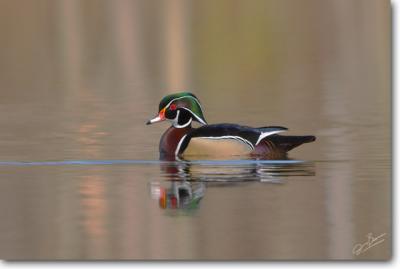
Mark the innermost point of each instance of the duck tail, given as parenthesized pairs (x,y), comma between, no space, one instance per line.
(290,142)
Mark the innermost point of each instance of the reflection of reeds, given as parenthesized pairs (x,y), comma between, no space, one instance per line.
(94,211)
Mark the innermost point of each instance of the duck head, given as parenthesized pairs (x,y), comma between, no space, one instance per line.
(180,109)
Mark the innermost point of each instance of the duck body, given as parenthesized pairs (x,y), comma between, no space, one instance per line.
(216,141)
(224,141)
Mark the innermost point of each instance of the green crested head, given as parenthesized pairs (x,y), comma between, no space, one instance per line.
(180,108)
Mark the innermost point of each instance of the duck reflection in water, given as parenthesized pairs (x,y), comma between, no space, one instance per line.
(179,195)
(184,183)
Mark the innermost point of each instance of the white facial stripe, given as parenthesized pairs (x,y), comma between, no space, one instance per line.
(247,142)
(176,125)
(199,119)
(187,96)
(175,121)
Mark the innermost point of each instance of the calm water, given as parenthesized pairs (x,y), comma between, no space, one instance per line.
(79,170)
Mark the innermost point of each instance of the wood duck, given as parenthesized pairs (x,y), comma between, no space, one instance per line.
(216,141)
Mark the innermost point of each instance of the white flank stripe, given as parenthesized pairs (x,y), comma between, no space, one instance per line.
(241,139)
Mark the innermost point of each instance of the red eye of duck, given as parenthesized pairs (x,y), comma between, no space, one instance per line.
(172,107)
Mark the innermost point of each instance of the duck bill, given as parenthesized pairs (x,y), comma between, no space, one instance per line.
(158,118)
